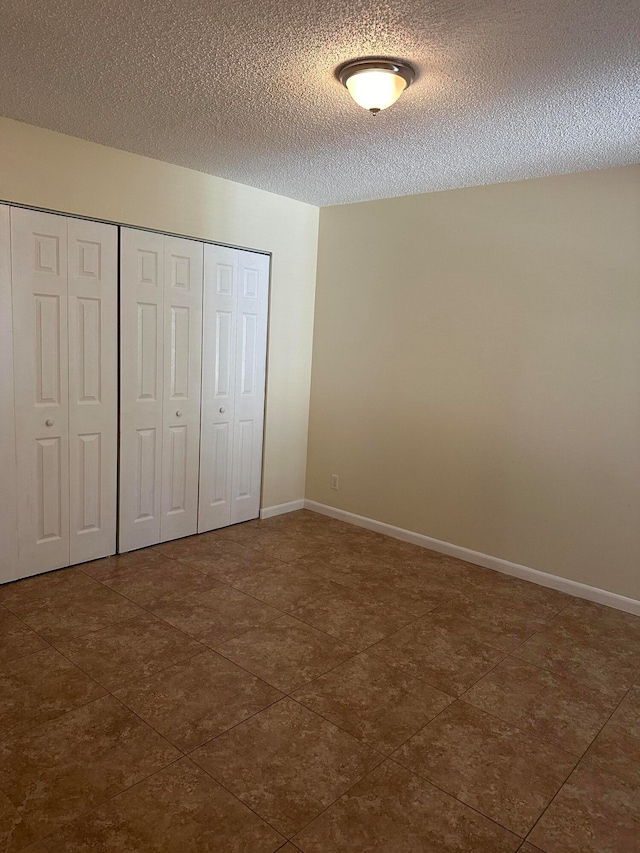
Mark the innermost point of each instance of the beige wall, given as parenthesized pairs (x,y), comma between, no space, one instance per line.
(50,170)
(476,370)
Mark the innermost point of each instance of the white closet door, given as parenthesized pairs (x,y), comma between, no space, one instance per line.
(8,517)
(93,387)
(218,378)
(182,381)
(141,387)
(251,352)
(39,289)
(234,364)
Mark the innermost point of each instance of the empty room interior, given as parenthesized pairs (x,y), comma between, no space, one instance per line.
(320,375)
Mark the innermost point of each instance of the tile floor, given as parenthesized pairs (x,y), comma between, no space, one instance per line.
(299,684)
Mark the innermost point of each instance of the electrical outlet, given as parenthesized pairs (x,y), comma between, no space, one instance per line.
(335,482)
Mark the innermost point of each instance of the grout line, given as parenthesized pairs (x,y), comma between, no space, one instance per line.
(581,760)
(235,796)
(457,799)
(102,803)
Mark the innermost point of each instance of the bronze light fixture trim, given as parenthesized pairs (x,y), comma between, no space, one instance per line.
(375,82)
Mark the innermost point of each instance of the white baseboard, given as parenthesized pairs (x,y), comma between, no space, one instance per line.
(580,590)
(280,509)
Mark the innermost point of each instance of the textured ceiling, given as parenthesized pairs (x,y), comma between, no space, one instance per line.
(507,89)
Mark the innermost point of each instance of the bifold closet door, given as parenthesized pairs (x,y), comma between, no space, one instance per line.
(64,295)
(9,569)
(92,304)
(160,340)
(236,295)
(182,386)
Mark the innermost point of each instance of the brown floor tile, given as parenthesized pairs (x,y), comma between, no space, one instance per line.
(189,547)
(604,621)
(336,561)
(129,650)
(55,772)
(616,750)
(84,606)
(393,811)
(341,565)
(593,813)
(239,532)
(373,701)
(301,521)
(231,567)
(41,687)
(438,656)
(157,584)
(178,810)
(132,559)
(492,586)
(414,590)
(492,767)
(218,614)
(545,705)
(285,545)
(194,701)
(15,835)
(37,847)
(503,626)
(320,535)
(286,653)
(16,638)
(363,541)
(61,582)
(225,560)
(528,848)
(627,714)
(286,763)
(464,576)
(286,587)
(356,620)
(307,516)
(591,644)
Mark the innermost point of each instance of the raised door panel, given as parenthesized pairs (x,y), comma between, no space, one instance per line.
(8,516)
(218,386)
(141,387)
(39,293)
(183,266)
(250,373)
(93,388)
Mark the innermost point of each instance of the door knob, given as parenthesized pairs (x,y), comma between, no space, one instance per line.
(49,422)
(222,410)
(179,413)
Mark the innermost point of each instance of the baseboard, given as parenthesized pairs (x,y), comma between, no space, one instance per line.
(280,509)
(580,590)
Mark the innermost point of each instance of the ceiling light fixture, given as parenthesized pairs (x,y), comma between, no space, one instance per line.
(375,83)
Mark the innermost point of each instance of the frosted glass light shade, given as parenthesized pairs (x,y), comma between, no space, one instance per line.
(375,90)
(375,83)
